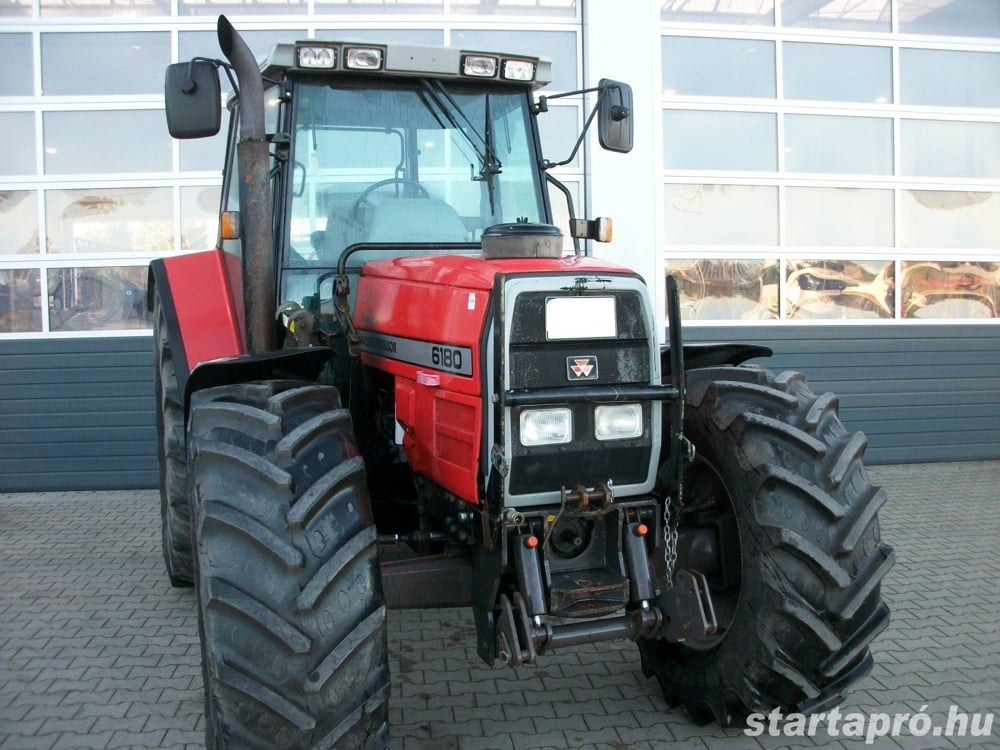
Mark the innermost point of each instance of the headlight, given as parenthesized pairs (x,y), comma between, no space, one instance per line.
(618,422)
(546,427)
(317,57)
(363,58)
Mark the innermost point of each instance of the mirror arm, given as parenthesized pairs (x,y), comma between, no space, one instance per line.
(572,209)
(546,164)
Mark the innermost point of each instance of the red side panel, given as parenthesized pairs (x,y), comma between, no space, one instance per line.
(429,337)
(209,320)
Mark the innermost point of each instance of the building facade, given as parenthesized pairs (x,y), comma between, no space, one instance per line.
(822,176)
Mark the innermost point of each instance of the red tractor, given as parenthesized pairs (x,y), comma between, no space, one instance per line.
(389,386)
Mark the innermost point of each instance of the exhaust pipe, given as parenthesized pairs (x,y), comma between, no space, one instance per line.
(254,158)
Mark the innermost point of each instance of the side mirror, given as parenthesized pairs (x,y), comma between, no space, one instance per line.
(193,99)
(614,116)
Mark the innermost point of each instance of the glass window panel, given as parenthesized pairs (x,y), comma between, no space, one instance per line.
(95,299)
(837,72)
(560,209)
(18,130)
(104,63)
(260,41)
(16,64)
(844,217)
(939,148)
(204,154)
(731,141)
(979,18)
(18,222)
(950,289)
(721,214)
(949,218)
(838,145)
(109,220)
(743,12)
(697,66)
(726,289)
(242,7)
(559,129)
(844,15)
(126,8)
(403,36)
(840,289)
(949,78)
(560,46)
(200,217)
(102,142)
(533,8)
(378,7)
(20,300)
(13,8)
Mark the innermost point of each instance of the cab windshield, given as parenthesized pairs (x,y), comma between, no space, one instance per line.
(415,161)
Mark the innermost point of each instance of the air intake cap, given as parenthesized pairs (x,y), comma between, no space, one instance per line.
(522,240)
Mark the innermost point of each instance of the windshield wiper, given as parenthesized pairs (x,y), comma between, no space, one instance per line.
(489,164)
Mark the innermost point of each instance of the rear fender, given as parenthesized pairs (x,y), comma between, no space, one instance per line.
(202,318)
(205,329)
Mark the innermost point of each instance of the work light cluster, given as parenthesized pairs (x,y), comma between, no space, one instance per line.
(555,426)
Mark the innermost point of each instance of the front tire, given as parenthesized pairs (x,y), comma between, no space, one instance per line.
(801,558)
(291,610)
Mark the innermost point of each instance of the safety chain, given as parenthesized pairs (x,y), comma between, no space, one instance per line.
(671,521)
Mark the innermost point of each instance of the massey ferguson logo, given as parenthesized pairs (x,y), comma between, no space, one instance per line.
(581,368)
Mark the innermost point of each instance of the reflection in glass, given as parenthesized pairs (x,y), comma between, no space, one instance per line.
(534,8)
(63,9)
(381,36)
(17,78)
(90,62)
(94,299)
(839,289)
(939,148)
(560,209)
(949,78)
(950,289)
(697,66)
(15,8)
(838,145)
(846,15)
(107,141)
(377,7)
(730,141)
(240,7)
(18,128)
(721,214)
(838,217)
(115,220)
(949,218)
(20,300)
(726,289)
(949,17)
(837,72)
(200,217)
(748,12)
(18,222)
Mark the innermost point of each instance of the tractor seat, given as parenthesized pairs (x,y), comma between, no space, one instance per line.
(416,220)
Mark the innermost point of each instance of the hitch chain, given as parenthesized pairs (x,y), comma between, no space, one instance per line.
(671,520)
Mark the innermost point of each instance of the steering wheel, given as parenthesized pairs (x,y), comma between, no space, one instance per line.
(362,204)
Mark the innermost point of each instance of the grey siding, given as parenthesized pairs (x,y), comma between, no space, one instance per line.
(927,393)
(77,414)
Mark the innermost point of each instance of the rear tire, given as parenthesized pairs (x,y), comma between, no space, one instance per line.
(784,481)
(291,610)
(175,510)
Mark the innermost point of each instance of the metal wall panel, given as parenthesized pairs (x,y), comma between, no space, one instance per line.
(79,413)
(919,393)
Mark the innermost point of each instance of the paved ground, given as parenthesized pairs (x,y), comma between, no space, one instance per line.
(97,651)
